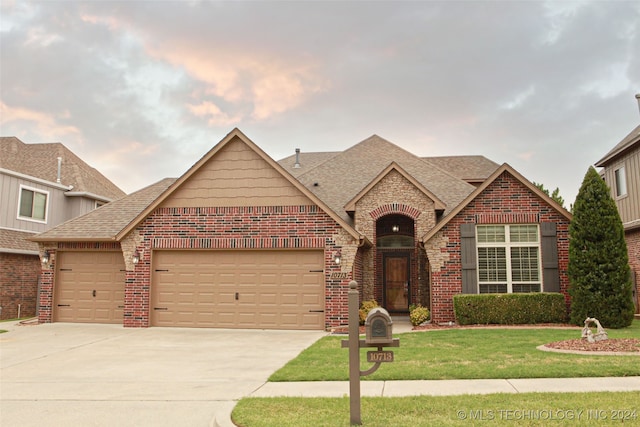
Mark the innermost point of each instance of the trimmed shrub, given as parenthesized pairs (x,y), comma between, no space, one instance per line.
(510,309)
(418,314)
(365,308)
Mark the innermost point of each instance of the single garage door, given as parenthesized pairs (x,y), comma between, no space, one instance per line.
(238,289)
(89,287)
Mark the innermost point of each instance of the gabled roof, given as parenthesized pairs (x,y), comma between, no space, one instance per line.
(234,134)
(627,143)
(340,177)
(106,222)
(502,169)
(41,161)
(393,166)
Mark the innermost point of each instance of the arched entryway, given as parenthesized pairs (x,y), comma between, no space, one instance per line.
(396,259)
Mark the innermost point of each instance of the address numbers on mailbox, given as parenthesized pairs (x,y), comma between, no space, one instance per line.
(380,356)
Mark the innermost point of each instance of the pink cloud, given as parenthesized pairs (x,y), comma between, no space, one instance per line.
(46,124)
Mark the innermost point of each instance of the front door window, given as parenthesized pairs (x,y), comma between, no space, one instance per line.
(396,282)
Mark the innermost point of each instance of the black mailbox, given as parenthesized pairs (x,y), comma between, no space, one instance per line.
(378,327)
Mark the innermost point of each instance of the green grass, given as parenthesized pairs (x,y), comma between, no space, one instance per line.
(526,409)
(465,354)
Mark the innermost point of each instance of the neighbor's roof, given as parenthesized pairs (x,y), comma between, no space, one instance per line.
(104,223)
(13,241)
(341,176)
(629,141)
(41,161)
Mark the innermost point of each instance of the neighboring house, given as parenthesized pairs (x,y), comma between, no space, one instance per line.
(622,174)
(42,185)
(243,241)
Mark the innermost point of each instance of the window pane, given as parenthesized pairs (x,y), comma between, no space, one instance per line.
(524,264)
(493,288)
(39,205)
(523,233)
(26,203)
(490,233)
(526,287)
(621,182)
(492,264)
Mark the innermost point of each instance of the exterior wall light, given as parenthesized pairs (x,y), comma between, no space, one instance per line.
(46,257)
(337,258)
(395,228)
(136,257)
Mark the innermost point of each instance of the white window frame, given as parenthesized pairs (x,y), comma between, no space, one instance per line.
(46,204)
(620,181)
(508,245)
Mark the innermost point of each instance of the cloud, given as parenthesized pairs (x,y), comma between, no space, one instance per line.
(46,124)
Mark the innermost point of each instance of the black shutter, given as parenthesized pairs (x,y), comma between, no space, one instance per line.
(550,273)
(468,258)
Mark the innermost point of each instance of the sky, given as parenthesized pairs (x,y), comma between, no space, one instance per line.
(141,90)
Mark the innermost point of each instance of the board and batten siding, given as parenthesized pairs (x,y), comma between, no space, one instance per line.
(10,198)
(236,176)
(629,205)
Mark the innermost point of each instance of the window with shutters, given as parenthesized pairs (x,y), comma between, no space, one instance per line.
(33,204)
(508,258)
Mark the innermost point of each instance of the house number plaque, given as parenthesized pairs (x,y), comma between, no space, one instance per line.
(379,356)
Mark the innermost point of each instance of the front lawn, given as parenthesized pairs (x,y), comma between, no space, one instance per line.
(491,353)
(526,409)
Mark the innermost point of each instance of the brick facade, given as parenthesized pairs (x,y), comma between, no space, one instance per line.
(18,285)
(393,195)
(505,201)
(281,227)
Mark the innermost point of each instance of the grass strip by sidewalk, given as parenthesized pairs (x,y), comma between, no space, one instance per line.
(526,409)
(491,353)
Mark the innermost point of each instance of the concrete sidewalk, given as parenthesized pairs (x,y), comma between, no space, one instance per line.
(447,387)
(438,388)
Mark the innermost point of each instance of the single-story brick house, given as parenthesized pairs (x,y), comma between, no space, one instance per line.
(243,241)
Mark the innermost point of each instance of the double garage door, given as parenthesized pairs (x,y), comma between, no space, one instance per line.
(89,287)
(238,289)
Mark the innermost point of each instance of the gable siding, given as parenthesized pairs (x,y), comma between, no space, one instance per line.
(236,176)
(505,201)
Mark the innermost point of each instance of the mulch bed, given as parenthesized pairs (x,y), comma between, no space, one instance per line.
(614,345)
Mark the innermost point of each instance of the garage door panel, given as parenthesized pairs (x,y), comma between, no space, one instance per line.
(274,289)
(89,287)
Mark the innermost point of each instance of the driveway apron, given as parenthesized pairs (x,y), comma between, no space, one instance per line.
(107,375)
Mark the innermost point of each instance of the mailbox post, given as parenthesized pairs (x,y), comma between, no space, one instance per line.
(378,333)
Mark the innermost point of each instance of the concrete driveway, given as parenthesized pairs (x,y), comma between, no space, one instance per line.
(106,375)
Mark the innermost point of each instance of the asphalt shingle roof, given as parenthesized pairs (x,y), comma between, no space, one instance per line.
(41,161)
(338,178)
(14,241)
(104,223)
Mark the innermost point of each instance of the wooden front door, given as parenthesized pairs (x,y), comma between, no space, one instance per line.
(396,282)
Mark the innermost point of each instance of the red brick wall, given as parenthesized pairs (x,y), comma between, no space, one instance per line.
(505,201)
(285,227)
(633,248)
(18,285)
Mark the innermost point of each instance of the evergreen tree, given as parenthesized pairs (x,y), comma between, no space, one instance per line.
(555,195)
(599,274)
